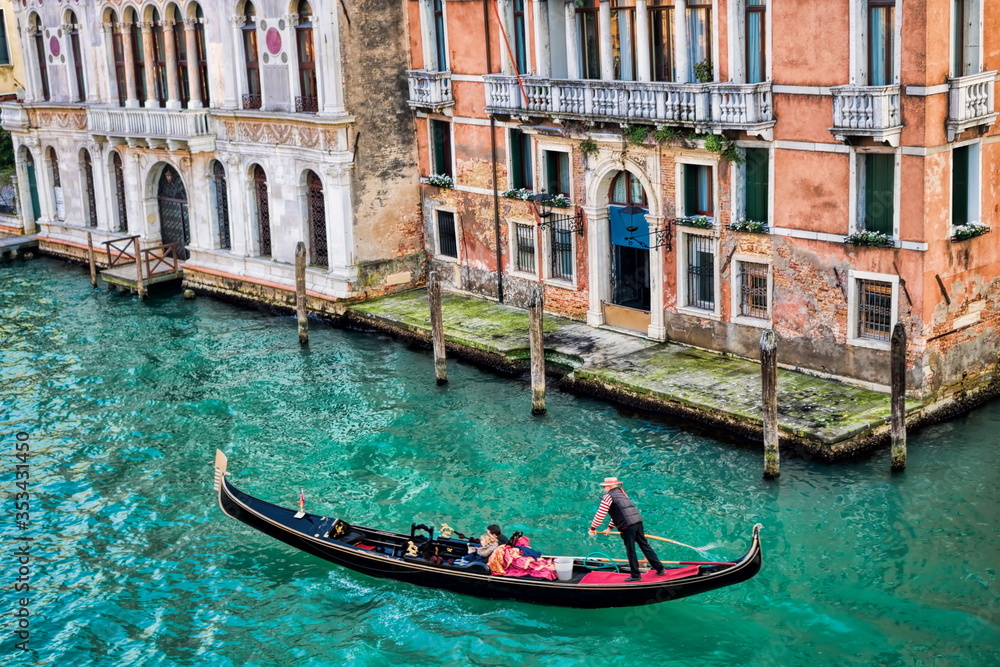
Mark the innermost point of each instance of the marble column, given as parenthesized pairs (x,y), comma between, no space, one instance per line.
(543,60)
(643,69)
(604,36)
(130,96)
(572,42)
(599,265)
(149,56)
(193,63)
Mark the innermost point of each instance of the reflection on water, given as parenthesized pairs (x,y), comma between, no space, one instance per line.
(126,403)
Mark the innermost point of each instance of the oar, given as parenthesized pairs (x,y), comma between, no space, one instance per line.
(643,560)
(664,539)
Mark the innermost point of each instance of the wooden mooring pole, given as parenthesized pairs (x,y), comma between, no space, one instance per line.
(437,327)
(769,399)
(537,345)
(140,287)
(91,260)
(897,355)
(300,292)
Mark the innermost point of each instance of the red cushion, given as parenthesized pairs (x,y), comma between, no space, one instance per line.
(620,577)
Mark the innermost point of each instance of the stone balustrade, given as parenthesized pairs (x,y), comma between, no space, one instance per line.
(190,130)
(867,111)
(430,90)
(970,102)
(707,107)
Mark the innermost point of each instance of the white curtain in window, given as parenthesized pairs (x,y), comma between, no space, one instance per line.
(698,27)
(755,47)
(704,188)
(881,42)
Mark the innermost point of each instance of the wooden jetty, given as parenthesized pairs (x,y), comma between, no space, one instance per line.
(15,245)
(158,264)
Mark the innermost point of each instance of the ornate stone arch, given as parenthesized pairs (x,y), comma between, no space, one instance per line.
(604,172)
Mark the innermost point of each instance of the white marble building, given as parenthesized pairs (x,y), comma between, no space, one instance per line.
(227,128)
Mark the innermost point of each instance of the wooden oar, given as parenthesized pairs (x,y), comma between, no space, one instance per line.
(643,560)
(662,539)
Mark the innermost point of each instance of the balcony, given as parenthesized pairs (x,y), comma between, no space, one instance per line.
(707,107)
(13,116)
(430,91)
(867,111)
(189,130)
(970,103)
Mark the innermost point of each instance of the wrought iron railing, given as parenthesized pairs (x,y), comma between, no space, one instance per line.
(307,104)
(252,101)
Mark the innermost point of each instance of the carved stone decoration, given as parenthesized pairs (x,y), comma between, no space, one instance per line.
(232,160)
(238,21)
(308,137)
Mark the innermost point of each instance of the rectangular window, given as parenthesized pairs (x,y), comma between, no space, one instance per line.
(524,240)
(698,198)
(520,160)
(441,147)
(447,235)
(556,172)
(960,185)
(700,272)
(561,246)
(661,39)
(589,38)
(440,50)
(881,16)
(520,43)
(4,47)
(753,290)
(699,46)
(623,39)
(755,189)
(874,310)
(756,43)
(879,174)
(958,39)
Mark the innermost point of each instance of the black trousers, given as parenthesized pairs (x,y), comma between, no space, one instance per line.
(632,536)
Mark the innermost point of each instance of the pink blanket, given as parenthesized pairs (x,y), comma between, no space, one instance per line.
(619,577)
(510,562)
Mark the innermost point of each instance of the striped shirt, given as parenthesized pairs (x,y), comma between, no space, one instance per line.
(602,512)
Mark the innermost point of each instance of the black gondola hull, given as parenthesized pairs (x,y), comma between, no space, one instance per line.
(308,534)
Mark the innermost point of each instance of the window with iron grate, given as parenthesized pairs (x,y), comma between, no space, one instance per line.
(874,310)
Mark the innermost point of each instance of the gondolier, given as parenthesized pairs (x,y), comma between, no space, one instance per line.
(627,519)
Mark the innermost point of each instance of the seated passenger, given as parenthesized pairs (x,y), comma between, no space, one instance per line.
(488,544)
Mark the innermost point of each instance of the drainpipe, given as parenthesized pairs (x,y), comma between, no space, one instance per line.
(493,158)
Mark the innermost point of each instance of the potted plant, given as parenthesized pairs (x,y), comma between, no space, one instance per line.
(870,238)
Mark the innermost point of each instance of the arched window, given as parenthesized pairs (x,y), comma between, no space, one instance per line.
(159,61)
(180,49)
(221,195)
(202,55)
(626,190)
(88,184)
(308,100)
(316,206)
(263,213)
(39,38)
(118,49)
(138,55)
(57,192)
(77,54)
(122,210)
(252,98)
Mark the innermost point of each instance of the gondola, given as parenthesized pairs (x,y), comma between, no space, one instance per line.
(408,558)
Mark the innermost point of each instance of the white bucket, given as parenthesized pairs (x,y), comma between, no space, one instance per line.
(564,568)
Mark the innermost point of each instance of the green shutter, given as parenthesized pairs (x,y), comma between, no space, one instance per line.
(515,146)
(960,186)
(756,184)
(879,204)
(437,133)
(690,190)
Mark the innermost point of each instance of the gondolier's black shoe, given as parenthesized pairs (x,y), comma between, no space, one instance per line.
(661,571)
(633,579)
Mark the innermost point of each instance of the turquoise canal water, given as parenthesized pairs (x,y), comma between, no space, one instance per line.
(126,402)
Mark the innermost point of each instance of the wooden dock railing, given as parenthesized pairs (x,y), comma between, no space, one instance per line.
(161,260)
(121,251)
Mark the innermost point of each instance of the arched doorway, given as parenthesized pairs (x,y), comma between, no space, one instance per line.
(29,167)
(316,207)
(629,302)
(172,199)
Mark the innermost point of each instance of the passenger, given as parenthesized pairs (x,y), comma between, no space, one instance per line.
(488,544)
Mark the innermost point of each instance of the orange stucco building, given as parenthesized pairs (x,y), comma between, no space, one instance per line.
(703,170)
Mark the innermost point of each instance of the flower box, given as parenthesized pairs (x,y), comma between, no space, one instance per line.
(699,221)
(441,180)
(750,227)
(868,238)
(969,231)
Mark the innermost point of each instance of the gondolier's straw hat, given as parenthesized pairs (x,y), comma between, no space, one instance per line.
(611,481)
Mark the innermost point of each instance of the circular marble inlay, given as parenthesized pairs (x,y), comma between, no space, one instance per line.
(265,57)
(54,46)
(284,57)
(273,40)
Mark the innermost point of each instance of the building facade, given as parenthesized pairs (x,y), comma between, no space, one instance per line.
(703,170)
(233,129)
